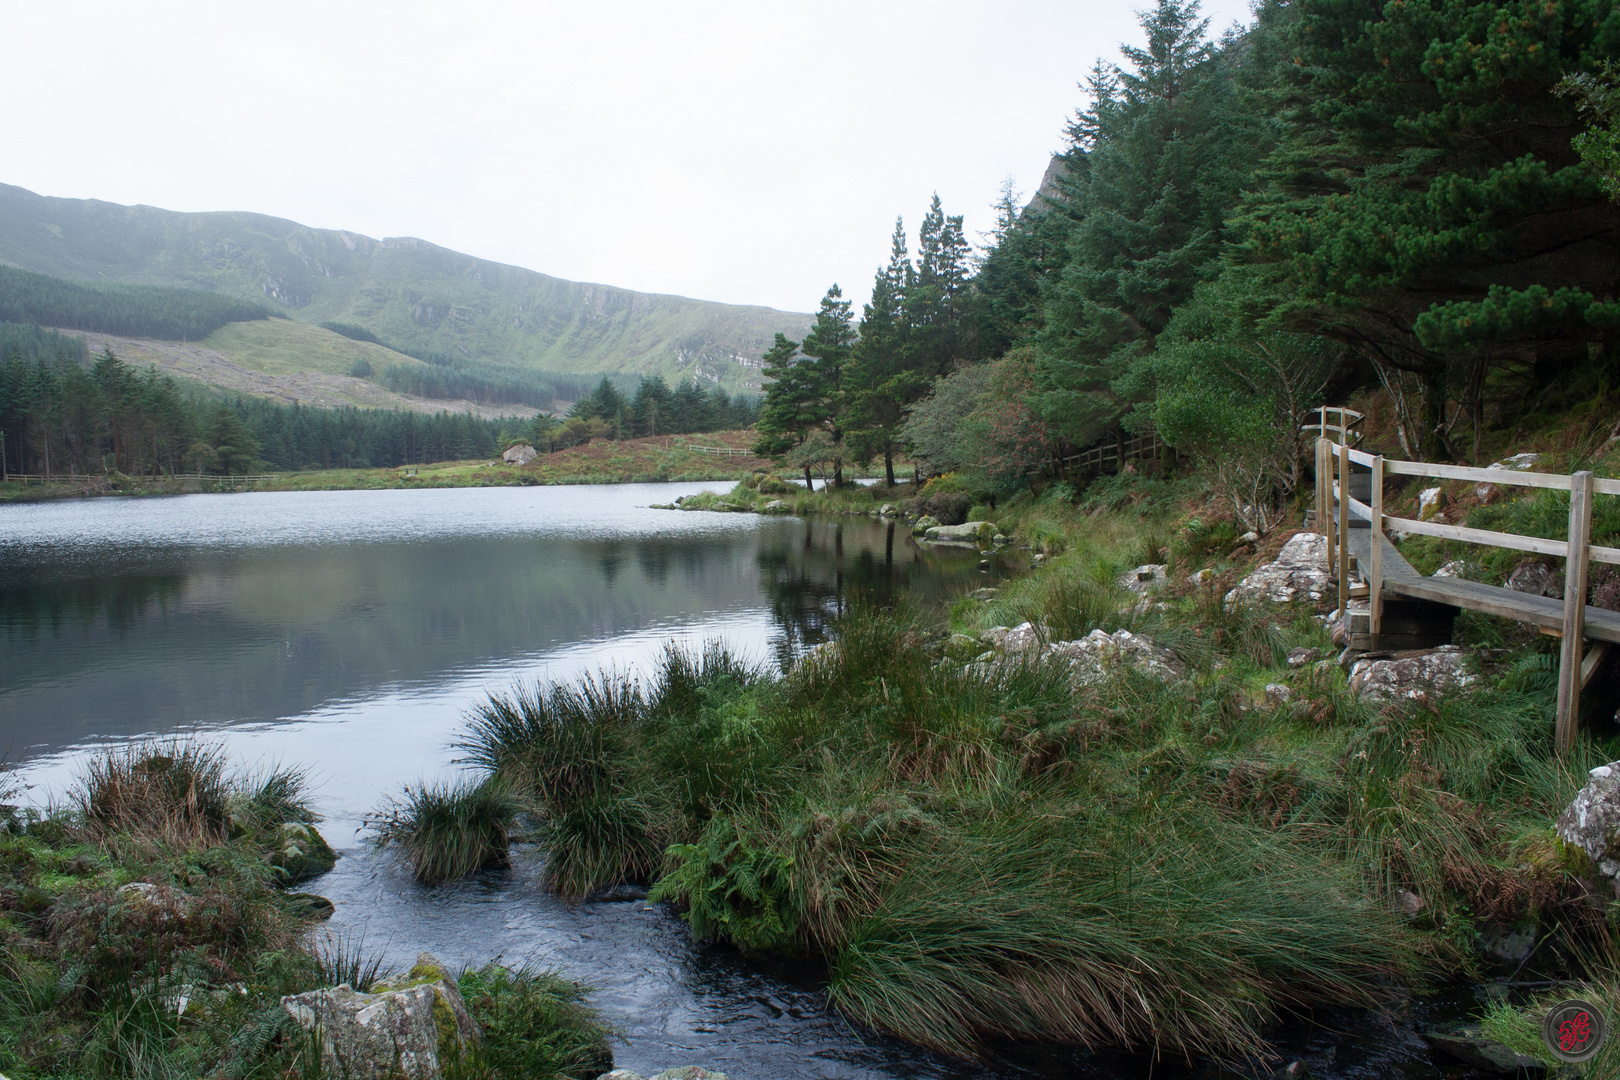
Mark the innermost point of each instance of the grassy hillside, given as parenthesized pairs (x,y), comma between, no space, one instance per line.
(408,292)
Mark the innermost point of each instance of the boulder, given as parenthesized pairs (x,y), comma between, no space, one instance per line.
(1473,1047)
(889,510)
(1099,656)
(1300,572)
(409,1025)
(1455,568)
(968,530)
(521,454)
(301,852)
(1414,675)
(1536,578)
(1430,504)
(775,506)
(1019,639)
(1298,658)
(924,523)
(1592,821)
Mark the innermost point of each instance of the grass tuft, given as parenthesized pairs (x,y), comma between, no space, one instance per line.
(448,829)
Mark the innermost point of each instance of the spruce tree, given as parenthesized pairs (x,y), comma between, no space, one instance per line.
(881,383)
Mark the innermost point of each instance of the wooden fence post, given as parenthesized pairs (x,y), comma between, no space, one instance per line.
(1575,566)
(1375,569)
(1344,535)
(1322,481)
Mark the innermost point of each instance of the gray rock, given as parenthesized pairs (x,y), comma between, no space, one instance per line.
(924,523)
(1536,578)
(521,454)
(1250,537)
(1298,658)
(405,1027)
(1592,821)
(1019,639)
(1409,903)
(987,593)
(1508,943)
(1455,568)
(1445,670)
(775,506)
(1099,656)
(1472,1047)
(1430,504)
(1278,694)
(301,852)
(889,510)
(968,530)
(1300,572)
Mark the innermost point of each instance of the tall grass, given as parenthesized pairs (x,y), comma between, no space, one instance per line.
(448,829)
(175,789)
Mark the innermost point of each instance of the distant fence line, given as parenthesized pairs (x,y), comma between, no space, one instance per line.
(720,451)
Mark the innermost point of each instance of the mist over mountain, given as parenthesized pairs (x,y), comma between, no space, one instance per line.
(408,292)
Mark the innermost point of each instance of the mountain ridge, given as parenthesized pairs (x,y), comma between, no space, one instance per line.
(407,290)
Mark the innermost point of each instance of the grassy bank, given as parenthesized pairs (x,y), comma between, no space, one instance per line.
(987,850)
(151,924)
(630,461)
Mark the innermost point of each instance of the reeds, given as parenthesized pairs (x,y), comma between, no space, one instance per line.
(448,829)
(178,790)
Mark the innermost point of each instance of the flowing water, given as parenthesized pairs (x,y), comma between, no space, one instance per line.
(349,633)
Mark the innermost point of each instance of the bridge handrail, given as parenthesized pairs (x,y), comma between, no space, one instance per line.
(1333,467)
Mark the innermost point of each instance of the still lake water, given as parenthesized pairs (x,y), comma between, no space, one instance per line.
(349,633)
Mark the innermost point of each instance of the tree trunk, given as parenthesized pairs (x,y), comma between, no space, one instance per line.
(838,475)
(809,484)
(1432,434)
(888,465)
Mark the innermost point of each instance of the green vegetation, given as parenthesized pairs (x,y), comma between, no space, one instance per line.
(1336,198)
(417,297)
(137,310)
(992,850)
(147,932)
(449,829)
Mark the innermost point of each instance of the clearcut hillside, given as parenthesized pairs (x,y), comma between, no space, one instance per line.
(410,293)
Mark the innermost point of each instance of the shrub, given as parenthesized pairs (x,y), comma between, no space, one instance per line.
(733,890)
(948,508)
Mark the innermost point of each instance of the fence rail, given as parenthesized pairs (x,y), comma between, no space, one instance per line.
(1346,432)
(1116,451)
(1336,505)
(720,451)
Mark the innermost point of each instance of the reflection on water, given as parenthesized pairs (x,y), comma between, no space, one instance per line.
(349,632)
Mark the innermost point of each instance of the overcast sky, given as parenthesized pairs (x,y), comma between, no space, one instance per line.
(748,151)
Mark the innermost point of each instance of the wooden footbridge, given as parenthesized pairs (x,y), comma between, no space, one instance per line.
(1407,610)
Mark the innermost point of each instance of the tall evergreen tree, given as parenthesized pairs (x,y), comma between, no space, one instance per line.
(1164,152)
(829,346)
(881,382)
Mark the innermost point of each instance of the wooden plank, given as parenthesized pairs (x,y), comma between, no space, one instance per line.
(1602,554)
(1343,490)
(1575,567)
(1321,495)
(1606,487)
(1375,580)
(1594,657)
(1553,481)
(1536,544)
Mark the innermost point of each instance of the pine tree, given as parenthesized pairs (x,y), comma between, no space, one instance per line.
(1430,209)
(1161,154)
(881,383)
(829,346)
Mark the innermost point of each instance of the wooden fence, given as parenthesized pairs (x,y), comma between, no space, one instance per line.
(1115,451)
(720,451)
(1387,573)
(1346,432)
